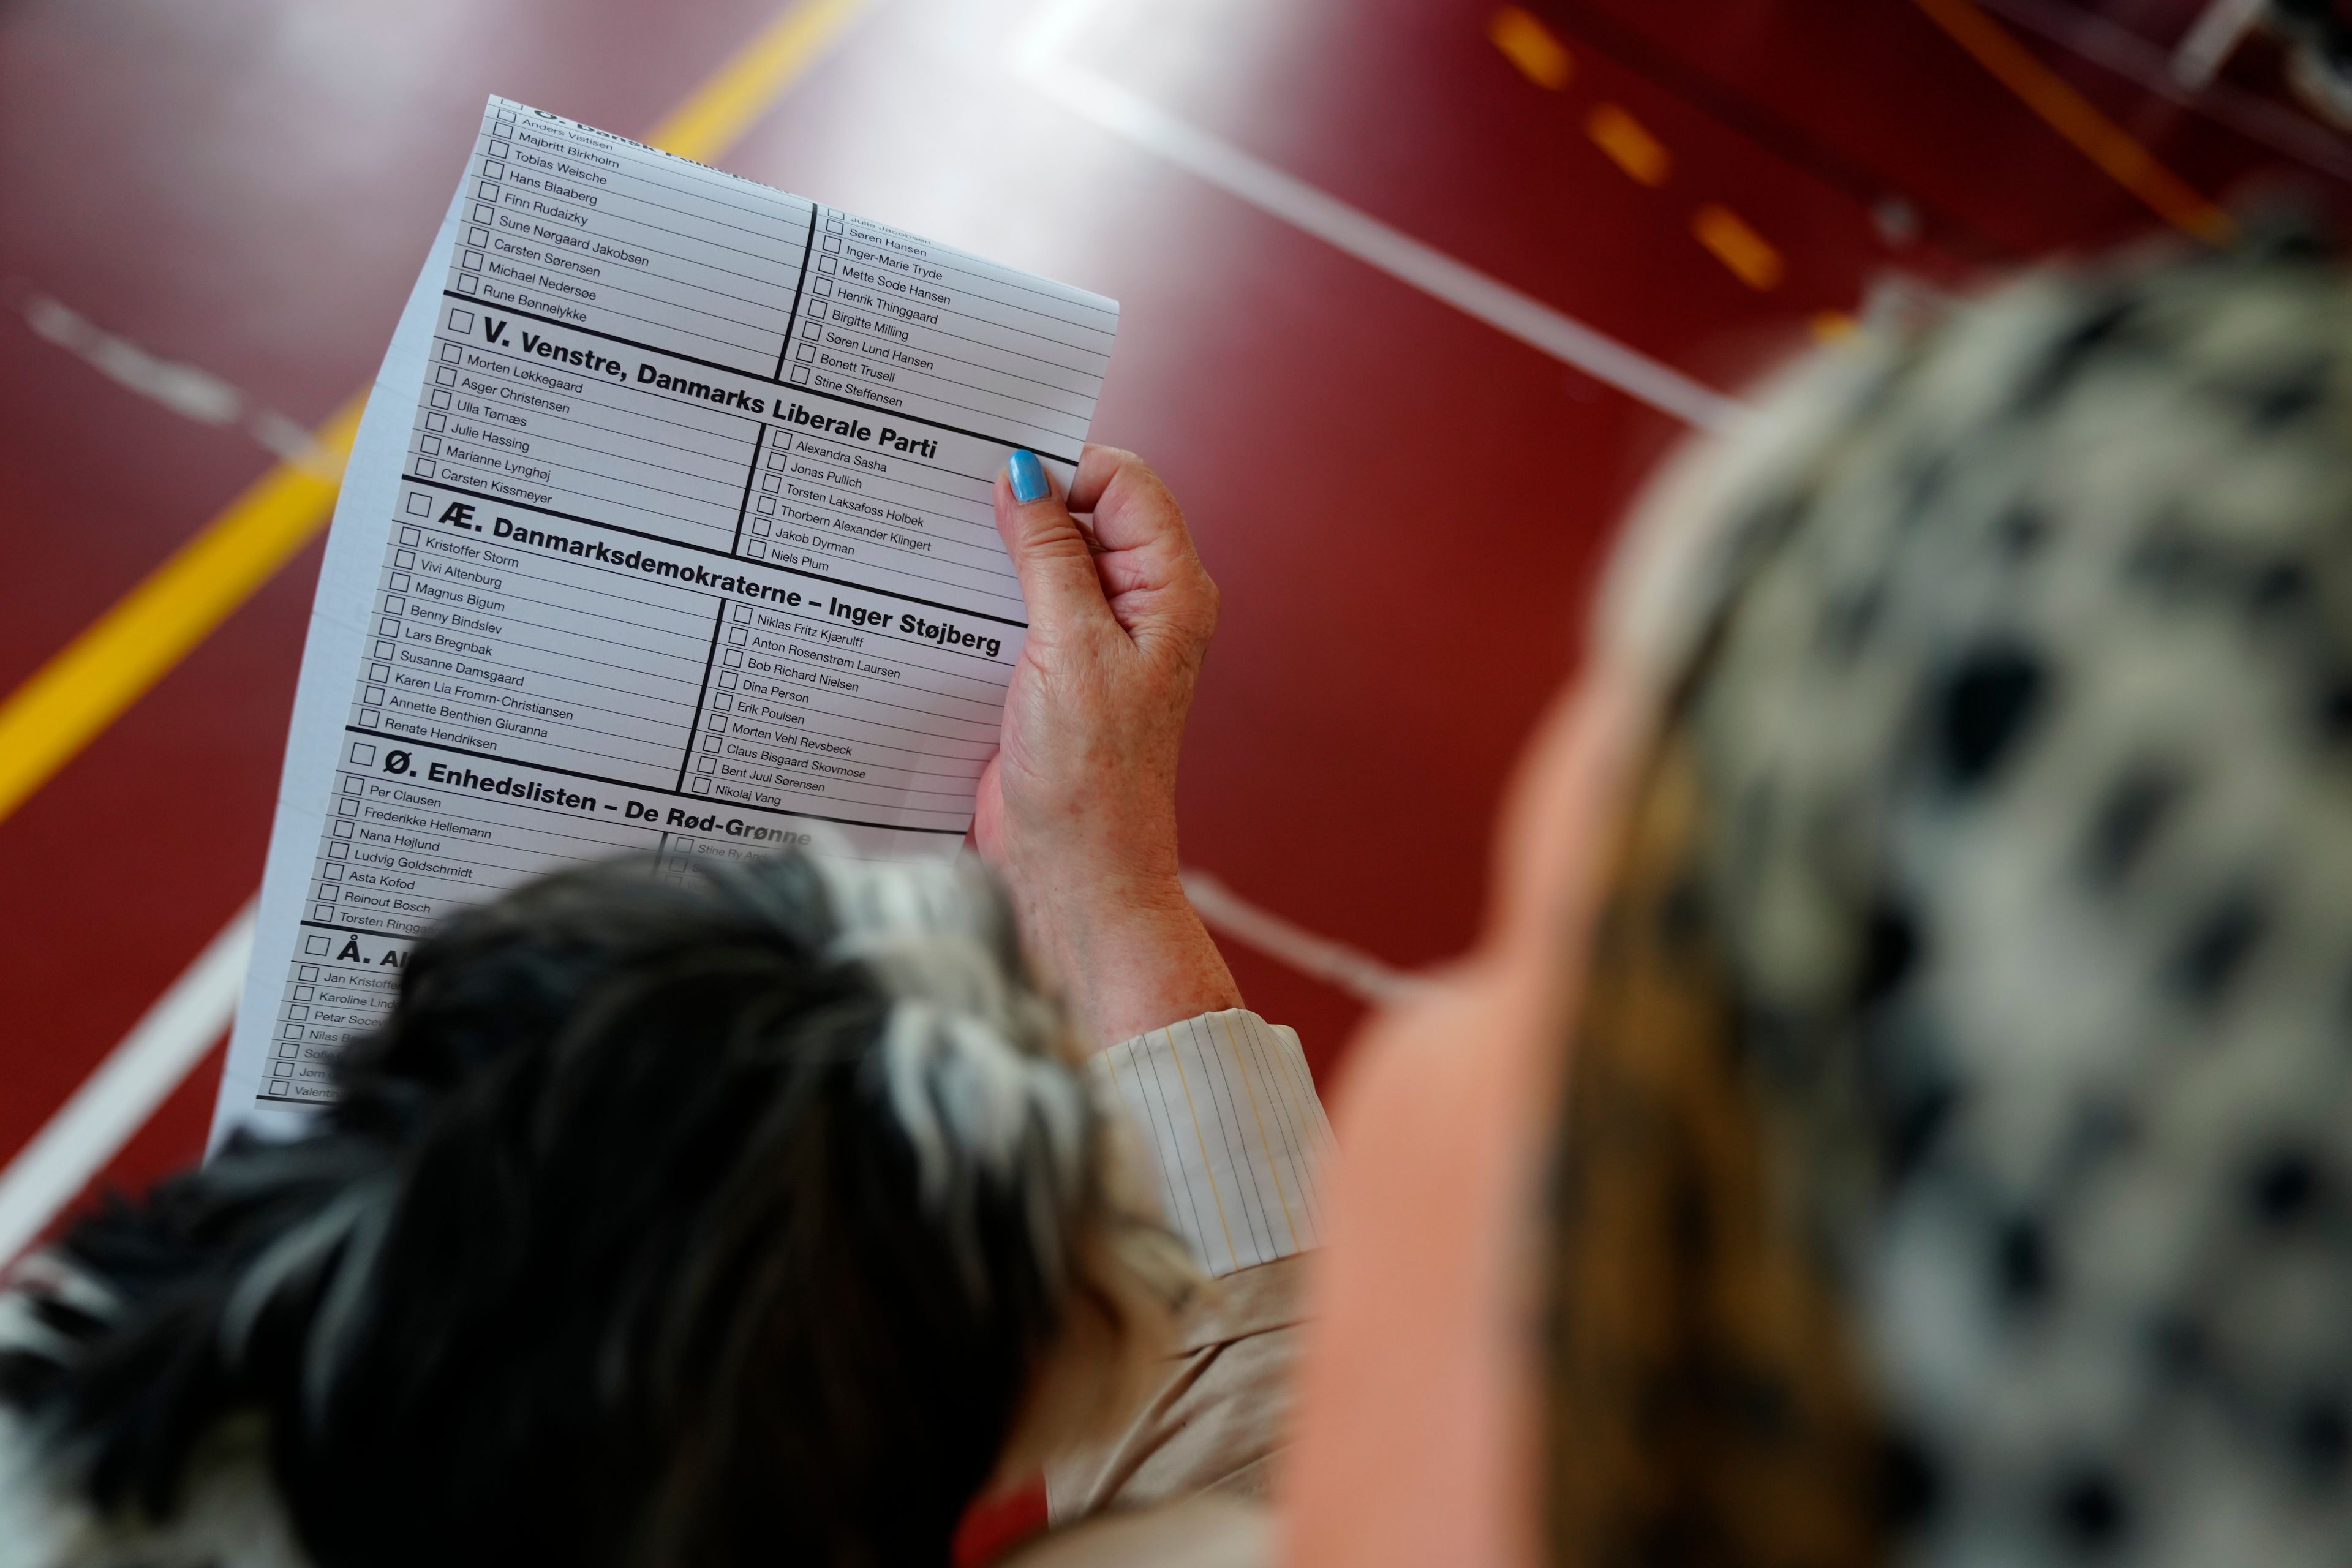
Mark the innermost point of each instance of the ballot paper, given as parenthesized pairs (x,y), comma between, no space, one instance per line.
(667,532)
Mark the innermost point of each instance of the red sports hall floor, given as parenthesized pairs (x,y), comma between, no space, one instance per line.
(1404,505)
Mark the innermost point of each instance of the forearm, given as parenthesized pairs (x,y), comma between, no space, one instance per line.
(1129,953)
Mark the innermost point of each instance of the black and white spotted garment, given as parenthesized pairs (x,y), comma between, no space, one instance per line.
(2023,732)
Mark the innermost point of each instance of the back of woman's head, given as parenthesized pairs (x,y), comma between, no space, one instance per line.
(1956,1165)
(749,1216)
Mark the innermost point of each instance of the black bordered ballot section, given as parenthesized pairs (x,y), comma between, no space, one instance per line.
(690,552)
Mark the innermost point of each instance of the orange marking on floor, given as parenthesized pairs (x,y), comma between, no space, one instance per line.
(1751,256)
(1833,326)
(1629,145)
(1541,58)
(2076,118)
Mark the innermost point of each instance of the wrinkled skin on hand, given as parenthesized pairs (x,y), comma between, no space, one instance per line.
(1078,810)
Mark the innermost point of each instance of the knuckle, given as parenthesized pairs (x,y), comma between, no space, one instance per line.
(1208,601)
(1050,543)
(1037,528)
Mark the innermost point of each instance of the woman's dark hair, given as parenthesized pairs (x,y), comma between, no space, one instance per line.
(680,1223)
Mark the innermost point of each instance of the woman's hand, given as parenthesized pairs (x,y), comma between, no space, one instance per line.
(1078,809)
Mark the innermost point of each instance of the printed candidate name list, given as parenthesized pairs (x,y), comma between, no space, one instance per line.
(687,548)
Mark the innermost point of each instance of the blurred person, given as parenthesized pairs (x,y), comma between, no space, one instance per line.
(1897,1113)
(768,1216)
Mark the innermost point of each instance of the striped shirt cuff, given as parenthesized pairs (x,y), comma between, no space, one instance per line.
(1230,1117)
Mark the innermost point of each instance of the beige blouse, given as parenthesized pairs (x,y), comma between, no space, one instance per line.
(1225,1106)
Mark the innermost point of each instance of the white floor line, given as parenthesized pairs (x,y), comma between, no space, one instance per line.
(1357,973)
(115,1101)
(1038,58)
(186,390)
(2211,39)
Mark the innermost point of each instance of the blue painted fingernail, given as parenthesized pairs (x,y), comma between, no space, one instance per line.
(1028,477)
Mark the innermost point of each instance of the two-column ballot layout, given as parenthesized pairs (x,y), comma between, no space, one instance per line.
(669,529)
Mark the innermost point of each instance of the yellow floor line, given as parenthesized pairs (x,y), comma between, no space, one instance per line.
(717,114)
(87,684)
(81,690)
(2073,117)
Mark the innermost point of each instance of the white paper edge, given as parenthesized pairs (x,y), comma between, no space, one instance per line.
(330,661)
